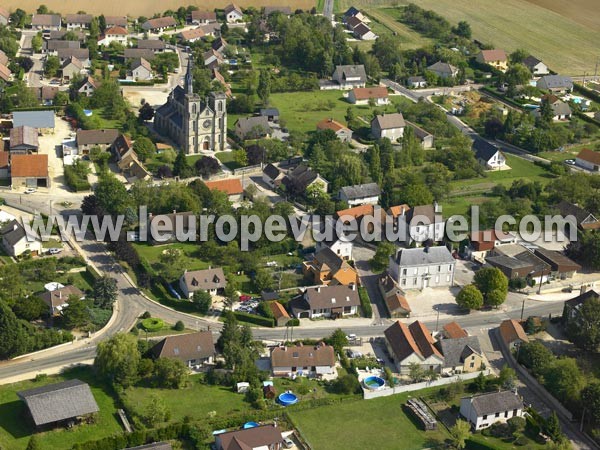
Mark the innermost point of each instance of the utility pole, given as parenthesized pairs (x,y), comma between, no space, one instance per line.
(522,308)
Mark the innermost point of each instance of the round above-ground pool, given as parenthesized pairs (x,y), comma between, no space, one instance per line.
(374,382)
(250,425)
(287,399)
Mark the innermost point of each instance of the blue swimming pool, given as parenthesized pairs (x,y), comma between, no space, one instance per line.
(287,399)
(250,425)
(374,382)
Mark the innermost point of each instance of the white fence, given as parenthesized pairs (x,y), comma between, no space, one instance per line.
(387,391)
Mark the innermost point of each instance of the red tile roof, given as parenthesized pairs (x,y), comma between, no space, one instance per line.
(232,186)
(331,124)
(511,330)
(454,331)
(493,55)
(371,92)
(29,166)
(589,155)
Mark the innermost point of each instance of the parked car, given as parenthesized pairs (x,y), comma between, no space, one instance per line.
(570,162)
(245,298)
(288,443)
(30,190)
(55,251)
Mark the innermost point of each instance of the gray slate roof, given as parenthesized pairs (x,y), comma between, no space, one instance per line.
(494,402)
(60,401)
(455,351)
(345,72)
(204,279)
(423,256)
(555,82)
(332,297)
(13,232)
(361,191)
(389,121)
(248,124)
(35,119)
(483,149)
(152,44)
(569,209)
(186,347)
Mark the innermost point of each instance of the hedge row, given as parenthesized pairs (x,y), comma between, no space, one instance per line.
(587,92)
(253,318)
(365,302)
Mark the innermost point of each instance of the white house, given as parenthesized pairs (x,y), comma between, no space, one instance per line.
(422,267)
(16,241)
(114,34)
(342,132)
(443,70)
(75,21)
(327,301)
(557,84)
(342,248)
(362,96)
(412,344)
(141,70)
(536,66)
(416,82)
(421,223)
(192,349)
(272,176)
(487,409)
(588,159)
(88,87)
(389,126)
(210,280)
(360,194)
(349,77)
(233,13)
(363,32)
(488,155)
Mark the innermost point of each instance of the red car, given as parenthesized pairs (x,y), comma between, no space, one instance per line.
(245,298)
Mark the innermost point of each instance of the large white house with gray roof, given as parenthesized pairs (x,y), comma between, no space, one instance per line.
(485,410)
(422,267)
(360,194)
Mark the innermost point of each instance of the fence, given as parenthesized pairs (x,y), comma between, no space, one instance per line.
(257,168)
(385,392)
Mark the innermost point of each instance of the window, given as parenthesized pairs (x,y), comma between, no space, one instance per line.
(415,282)
(439,268)
(515,412)
(505,414)
(347,309)
(404,271)
(450,268)
(484,417)
(472,365)
(403,282)
(497,414)
(448,278)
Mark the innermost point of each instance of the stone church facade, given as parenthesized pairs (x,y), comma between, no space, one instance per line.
(195,124)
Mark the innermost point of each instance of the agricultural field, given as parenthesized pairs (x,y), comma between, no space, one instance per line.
(387,19)
(148,9)
(564,35)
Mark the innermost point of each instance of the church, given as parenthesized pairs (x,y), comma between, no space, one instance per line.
(193,123)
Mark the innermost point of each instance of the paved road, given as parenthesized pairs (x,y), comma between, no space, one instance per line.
(328,9)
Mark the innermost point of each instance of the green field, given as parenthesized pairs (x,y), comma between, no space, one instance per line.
(385,21)
(152,254)
(16,428)
(562,43)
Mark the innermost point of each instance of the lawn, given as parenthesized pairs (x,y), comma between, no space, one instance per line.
(301,111)
(387,18)
(16,428)
(152,254)
(104,120)
(379,423)
(227,159)
(196,401)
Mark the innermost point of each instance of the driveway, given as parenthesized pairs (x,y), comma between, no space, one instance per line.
(369,280)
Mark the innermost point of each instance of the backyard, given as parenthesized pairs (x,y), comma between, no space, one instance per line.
(16,428)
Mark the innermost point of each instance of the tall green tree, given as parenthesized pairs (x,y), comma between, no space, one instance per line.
(13,337)
(459,433)
(111,194)
(470,297)
(203,301)
(118,358)
(181,167)
(584,328)
(76,315)
(264,86)
(105,292)
(493,284)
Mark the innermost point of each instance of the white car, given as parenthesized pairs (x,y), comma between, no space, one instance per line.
(30,190)
(55,251)
(288,443)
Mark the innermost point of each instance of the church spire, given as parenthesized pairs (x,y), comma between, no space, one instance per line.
(189,76)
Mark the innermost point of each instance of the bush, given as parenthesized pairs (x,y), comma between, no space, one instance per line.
(293,322)
(365,302)
(152,324)
(146,315)
(179,326)
(255,319)
(347,384)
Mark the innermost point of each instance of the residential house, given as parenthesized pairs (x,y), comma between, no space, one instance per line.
(3,57)
(252,127)
(45,94)
(159,24)
(16,241)
(297,180)
(219,45)
(59,403)
(231,186)
(116,21)
(425,137)
(156,45)
(364,96)
(327,268)
(212,29)
(74,21)
(307,360)
(560,110)
(416,82)
(556,84)
(192,349)
(71,68)
(353,12)
(349,77)
(363,32)
(393,297)
(233,13)
(495,58)
(510,266)
(141,70)
(4,16)
(443,70)
(421,223)
(488,155)
(267,437)
(88,86)
(342,248)
(272,176)
(46,22)
(360,194)
(512,333)
(5,73)
(114,34)
(342,132)
(461,355)
(23,140)
(212,59)
(145,53)
(329,301)
(121,147)
(588,159)
(572,307)
(536,66)
(482,243)
(29,171)
(373,214)
(280,315)
(422,267)
(88,139)
(484,410)
(58,299)
(165,227)
(412,344)
(192,35)
(210,280)
(4,165)
(42,120)
(453,330)
(132,169)
(59,35)
(389,126)
(272,114)
(560,266)
(51,46)
(517,261)
(82,54)
(199,17)
(585,219)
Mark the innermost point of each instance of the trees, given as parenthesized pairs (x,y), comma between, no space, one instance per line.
(460,433)
(382,255)
(165,62)
(105,292)
(535,357)
(13,339)
(590,397)
(181,167)
(117,359)
(338,340)
(172,264)
(156,411)
(111,194)
(30,308)
(493,284)
(564,379)
(36,43)
(52,65)
(203,301)
(146,112)
(207,166)
(264,86)
(470,297)
(170,373)
(346,384)
(76,315)
(584,328)
(507,377)
(462,29)
(416,372)
(263,280)
(144,148)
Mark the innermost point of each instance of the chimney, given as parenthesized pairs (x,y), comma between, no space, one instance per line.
(583,289)
(435,207)
(319,289)
(403,210)
(353,287)
(174,211)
